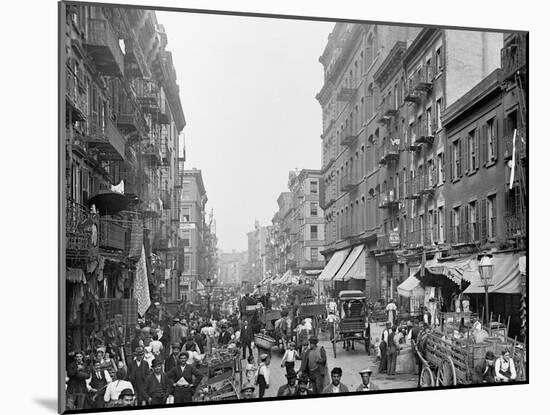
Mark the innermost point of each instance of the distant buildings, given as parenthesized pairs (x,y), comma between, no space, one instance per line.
(232,267)
(256,266)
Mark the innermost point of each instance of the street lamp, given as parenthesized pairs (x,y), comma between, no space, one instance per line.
(161,287)
(485,268)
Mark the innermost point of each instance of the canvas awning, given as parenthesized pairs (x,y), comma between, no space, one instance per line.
(506,276)
(334,265)
(287,275)
(457,270)
(411,286)
(347,270)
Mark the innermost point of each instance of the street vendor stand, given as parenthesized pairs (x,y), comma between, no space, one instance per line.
(223,373)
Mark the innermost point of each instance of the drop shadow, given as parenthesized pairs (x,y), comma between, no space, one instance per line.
(48,403)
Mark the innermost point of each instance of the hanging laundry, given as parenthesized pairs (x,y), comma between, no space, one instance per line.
(119,188)
(141,285)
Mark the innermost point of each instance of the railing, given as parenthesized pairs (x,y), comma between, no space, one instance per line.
(112,234)
(348,90)
(127,115)
(513,57)
(152,150)
(465,233)
(387,109)
(134,58)
(348,137)
(412,188)
(423,132)
(515,225)
(521,144)
(100,34)
(105,136)
(389,150)
(410,93)
(347,182)
(388,199)
(426,236)
(147,94)
(76,214)
(76,92)
(427,182)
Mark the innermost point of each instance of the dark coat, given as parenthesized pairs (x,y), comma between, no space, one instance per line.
(308,392)
(190,370)
(137,376)
(170,363)
(246,334)
(156,389)
(285,391)
(77,378)
(224,338)
(322,361)
(483,373)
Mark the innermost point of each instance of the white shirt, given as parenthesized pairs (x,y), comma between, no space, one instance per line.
(264,370)
(194,357)
(156,346)
(104,374)
(500,364)
(114,388)
(290,356)
(335,389)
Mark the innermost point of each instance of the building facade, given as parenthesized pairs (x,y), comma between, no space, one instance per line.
(121,136)
(387,162)
(256,267)
(232,268)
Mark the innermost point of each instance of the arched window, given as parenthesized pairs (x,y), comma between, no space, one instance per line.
(362,170)
(370,102)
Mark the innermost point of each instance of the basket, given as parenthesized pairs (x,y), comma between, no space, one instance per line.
(263,341)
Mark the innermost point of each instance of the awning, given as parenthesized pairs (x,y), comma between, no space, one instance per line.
(334,265)
(457,270)
(313,272)
(108,202)
(283,278)
(411,286)
(344,273)
(506,276)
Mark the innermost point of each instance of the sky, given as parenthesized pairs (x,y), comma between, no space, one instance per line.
(247,87)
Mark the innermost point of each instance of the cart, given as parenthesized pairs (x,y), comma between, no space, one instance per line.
(313,311)
(449,362)
(354,326)
(223,375)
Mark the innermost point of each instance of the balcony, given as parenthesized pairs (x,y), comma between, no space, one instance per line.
(77,141)
(107,140)
(423,79)
(412,189)
(166,197)
(148,95)
(388,110)
(426,183)
(423,132)
(348,182)
(78,238)
(75,96)
(101,43)
(347,92)
(112,234)
(388,199)
(134,60)
(388,152)
(127,118)
(348,139)
(424,237)
(411,95)
(152,152)
(328,203)
(513,58)
(521,145)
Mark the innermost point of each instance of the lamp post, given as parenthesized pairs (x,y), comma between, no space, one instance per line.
(485,268)
(161,300)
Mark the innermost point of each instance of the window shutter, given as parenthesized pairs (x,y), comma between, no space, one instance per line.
(442,224)
(483,221)
(451,162)
(465,162)
(478,219)
(477,152)
(496,138)
(450,228)
(484,143)
(460,158)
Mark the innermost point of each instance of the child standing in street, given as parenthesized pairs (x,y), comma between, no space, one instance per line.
(289,358)
(250,370)
(263,374)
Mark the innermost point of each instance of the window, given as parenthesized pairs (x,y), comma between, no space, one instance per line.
(440,222)
(430,172)
(438,114)
(313,209)
(429,121)
(473,151)
(186,190)
(440,168)
(422,230)
(491,216)
(431,227)
(455,224)
(489,141)
(314,254)
(455,168)
(186,237)
(473,230)
(313,189)
(313,232)
(438,60)
(186,214)
(187,263)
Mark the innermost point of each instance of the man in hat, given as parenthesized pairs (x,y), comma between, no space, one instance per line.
(76,385)
(98,383)
(366,384)
(126,398)
(290,388)
(247,391)
(184,377)
(172,360)
(138,370)
(176,332)
(383,349)
(484,372)
(303,390)
(505,368)
(157,385)
(246,338)
(137,338)
(224,337)
(313,364)
(335,386)
(263,374)
(115,388)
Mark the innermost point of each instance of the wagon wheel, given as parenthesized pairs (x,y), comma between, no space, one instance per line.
(426,377)
(446,373)
(334,339)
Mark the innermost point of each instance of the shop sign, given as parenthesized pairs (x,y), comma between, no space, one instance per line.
(394,238)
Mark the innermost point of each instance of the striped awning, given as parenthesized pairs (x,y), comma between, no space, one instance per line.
(334,265)
(352,266)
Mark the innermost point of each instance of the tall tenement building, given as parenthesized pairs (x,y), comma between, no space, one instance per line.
(123,117)
(417,149)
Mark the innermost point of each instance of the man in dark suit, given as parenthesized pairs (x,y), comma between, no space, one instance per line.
(157,385)
(314,365)
(181,378)
(172,360)
(138,370)
(76,386)
(484,372)
(98,383)
(246,338)
(225,336)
